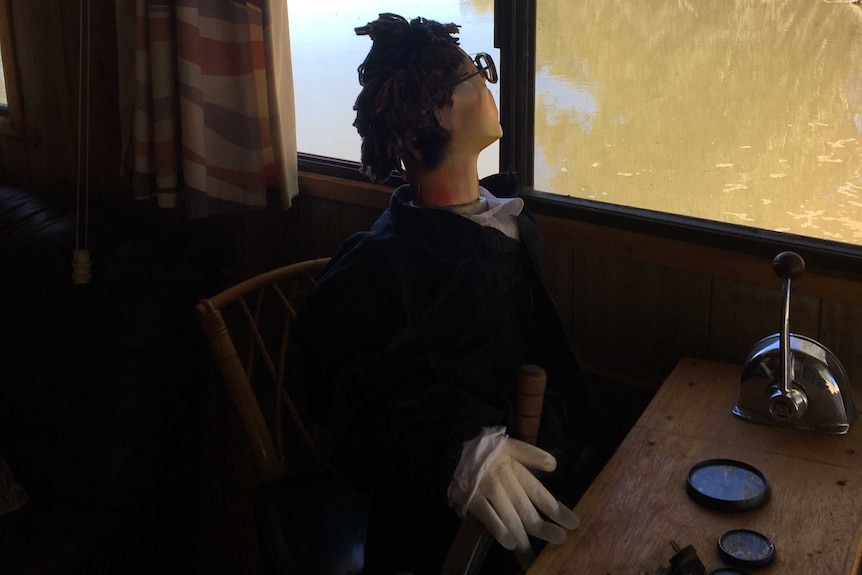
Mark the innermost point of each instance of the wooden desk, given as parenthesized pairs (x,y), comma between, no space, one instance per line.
(638,504)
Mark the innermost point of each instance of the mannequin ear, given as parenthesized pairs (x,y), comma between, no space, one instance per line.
(444,118)
(412,160)
(411,154)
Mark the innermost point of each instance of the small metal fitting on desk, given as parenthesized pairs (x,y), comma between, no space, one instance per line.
(685,561)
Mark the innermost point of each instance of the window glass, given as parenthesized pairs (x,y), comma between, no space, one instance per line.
(326,53)
(4,100)
(740,111)
(10,99)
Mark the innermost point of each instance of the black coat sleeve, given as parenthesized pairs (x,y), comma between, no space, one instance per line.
(398,404)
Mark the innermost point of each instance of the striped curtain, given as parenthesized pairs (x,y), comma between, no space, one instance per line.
(213,106)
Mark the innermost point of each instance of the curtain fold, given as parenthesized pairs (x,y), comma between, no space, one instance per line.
(213,104)
(280,87)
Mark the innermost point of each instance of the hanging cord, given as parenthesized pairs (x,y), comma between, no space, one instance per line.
(81,264)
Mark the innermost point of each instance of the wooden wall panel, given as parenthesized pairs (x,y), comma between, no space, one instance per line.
(557,262)
(841,333)
(742,314)
(324,224)
(45,155)
(677,254)
(259,230)
(320,221)
(290,238)
(634,320)
(15,161)
(49,138)
(102,104)
(355,218)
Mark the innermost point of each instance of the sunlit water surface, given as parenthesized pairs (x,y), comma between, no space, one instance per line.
(742,111)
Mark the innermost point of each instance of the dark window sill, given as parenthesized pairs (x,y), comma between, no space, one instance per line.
(834,258)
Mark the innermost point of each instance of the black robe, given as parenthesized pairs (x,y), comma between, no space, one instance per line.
(411,343)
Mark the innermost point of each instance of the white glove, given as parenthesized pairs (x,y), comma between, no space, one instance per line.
(493,483)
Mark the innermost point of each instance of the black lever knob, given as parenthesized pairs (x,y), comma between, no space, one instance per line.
(788,265)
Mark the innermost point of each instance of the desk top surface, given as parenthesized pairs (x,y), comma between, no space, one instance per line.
(638,504)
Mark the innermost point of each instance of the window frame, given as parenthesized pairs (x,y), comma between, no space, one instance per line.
(12,121)
(514,36)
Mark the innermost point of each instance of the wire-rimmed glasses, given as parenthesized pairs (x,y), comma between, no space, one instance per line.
(485,66)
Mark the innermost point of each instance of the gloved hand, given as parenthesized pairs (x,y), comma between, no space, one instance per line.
(493,483)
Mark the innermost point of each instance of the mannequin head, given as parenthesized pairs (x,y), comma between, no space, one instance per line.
(423,100)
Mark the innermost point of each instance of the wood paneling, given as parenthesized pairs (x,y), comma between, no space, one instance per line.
(637,319)
(48,126)
(320,222)
(15,160)
(742,314)
(47,47)
(710,261)
(841,333)
(325,222)
(557,270)
(357,219)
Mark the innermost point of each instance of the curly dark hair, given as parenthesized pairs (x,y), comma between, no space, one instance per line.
(405,78)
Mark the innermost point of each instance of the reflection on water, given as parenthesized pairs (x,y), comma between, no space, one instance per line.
(743,111)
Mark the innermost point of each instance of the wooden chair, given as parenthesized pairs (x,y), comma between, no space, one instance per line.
(308,518)
(260,311)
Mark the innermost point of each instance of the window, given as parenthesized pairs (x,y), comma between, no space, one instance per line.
(743,112)
(326,54)
(10,102)
(736,124)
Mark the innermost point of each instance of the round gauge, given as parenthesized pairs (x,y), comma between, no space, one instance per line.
(746,548)
(727,485)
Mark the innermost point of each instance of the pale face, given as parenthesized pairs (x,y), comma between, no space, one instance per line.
(473,119)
